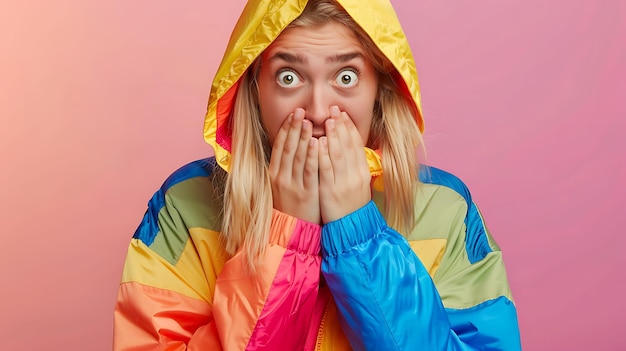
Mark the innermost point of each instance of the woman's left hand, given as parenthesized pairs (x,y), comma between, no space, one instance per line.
(344,173)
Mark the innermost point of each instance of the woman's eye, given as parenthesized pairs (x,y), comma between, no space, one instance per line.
(347,78)
(288,78)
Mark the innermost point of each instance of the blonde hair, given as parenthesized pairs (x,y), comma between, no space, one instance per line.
(247,191)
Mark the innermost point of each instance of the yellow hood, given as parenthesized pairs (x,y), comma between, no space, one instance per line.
(261,22)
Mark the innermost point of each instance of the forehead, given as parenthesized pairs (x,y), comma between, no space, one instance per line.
(325,40)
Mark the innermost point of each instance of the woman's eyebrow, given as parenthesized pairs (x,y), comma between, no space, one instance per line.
(338,58)
(341,58)
(290,58)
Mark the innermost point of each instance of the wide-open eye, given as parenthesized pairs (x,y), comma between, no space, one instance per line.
(347,78)
(287,78)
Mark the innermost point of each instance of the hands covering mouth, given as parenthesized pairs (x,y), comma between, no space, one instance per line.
(319,133)
(319,176)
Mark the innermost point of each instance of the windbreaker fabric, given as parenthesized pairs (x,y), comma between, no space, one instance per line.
(442,288)
(353,284)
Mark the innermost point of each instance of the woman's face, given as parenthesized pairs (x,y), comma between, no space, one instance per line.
(315,68)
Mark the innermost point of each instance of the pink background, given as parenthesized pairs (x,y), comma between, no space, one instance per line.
(100,101)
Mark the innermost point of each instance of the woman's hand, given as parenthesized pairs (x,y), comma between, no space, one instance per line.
(294,169)
(343,169)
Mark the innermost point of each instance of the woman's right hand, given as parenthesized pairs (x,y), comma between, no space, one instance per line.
(294,169)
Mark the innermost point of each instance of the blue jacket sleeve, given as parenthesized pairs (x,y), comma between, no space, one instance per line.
(388,301)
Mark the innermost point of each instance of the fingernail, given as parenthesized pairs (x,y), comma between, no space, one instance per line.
(331,123)
(299,113)
(334,110)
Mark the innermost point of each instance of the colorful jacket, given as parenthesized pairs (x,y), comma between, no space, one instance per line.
(354,283)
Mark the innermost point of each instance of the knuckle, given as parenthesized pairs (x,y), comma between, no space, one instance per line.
(299,159)
(310,171)
(337,155)
(289,148)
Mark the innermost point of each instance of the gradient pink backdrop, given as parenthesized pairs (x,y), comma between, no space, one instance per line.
(100,101)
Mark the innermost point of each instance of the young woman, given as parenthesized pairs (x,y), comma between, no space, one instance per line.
(314,227)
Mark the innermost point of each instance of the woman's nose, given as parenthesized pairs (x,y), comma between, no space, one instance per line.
(318,104)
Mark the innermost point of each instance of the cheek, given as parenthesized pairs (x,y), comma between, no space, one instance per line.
(269,108)
(363,115)
(363,124)
(274,111)
(270,120)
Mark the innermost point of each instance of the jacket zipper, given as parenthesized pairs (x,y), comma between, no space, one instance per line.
(314,335)
(320,333)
